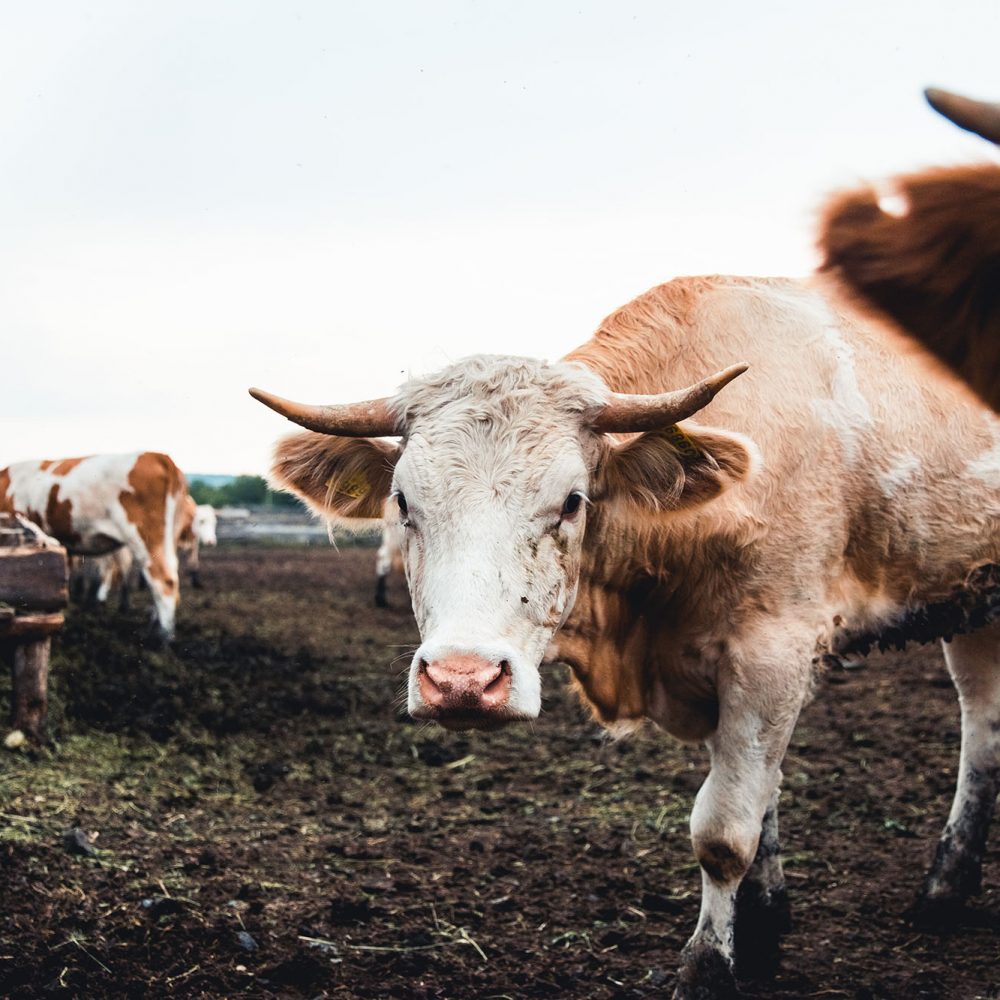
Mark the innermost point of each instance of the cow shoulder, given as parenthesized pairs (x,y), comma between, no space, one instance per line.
(335,476)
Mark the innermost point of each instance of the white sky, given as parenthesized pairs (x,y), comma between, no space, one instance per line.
(320,197)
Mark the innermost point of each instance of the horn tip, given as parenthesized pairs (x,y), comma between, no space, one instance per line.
(937,98)
(726,376)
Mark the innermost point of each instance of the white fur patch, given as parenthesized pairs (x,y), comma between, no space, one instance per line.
(847,411)
(986,468)
(899,474)
(892,201)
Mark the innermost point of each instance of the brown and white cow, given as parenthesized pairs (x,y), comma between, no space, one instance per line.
(925,250)
(101,503)
(688,571)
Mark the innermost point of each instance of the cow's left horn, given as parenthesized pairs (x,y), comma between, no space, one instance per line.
(981,117)
(626,413)
(372,418)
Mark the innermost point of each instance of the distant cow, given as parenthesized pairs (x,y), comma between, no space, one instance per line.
(101,503)
(199,528)
(926,252)
(689,572)
(93,578)
(389,558)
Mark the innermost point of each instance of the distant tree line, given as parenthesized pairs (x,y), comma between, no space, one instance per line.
(243,491)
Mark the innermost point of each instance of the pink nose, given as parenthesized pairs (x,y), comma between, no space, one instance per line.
(465,684)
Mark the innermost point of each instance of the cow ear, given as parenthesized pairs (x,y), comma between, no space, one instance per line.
(676,469)
(335,476)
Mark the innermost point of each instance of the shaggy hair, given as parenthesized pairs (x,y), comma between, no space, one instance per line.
(496,387)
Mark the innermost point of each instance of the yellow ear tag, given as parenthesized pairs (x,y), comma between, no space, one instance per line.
(682,442)
(355,486)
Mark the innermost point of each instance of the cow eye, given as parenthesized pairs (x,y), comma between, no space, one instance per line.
(401,500)
(571,505)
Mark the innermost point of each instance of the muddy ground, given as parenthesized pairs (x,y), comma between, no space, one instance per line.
(265,822)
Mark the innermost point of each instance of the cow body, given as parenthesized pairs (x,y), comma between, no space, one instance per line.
(691,574)
(97,505)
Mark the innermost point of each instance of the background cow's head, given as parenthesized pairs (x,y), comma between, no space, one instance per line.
(206,524)
(499,460)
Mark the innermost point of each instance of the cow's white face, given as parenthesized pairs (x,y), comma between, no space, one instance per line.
(492,552)
(492,487)
(204,524)
(492,481)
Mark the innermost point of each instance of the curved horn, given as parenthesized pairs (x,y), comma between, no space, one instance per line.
(625,413)
(372,418)
(981,117)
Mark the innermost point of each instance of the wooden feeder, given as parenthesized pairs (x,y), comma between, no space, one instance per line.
(33,595)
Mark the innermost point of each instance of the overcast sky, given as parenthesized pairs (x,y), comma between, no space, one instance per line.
(321,197)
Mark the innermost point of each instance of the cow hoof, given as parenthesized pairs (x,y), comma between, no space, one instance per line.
(705,974)
(762,919)
(158,640)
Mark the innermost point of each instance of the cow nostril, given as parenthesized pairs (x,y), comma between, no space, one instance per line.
(498,681)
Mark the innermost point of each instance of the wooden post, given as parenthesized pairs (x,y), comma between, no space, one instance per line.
(31,677)
(32,598)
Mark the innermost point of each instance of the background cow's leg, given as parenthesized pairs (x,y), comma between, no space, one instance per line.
(194,565)
(974,662)
(106,580)
(726,826)
(383,565)
(762,912)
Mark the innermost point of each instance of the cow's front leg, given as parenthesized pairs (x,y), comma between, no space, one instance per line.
(726,827)
(762,911)
(974,663)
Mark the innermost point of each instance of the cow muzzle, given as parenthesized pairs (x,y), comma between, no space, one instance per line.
(462,690)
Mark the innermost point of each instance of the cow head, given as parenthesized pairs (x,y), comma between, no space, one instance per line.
(205,523)
(499,461)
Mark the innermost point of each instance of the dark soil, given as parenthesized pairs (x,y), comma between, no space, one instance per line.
(248,814)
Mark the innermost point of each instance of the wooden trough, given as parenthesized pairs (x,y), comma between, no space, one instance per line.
(33,595)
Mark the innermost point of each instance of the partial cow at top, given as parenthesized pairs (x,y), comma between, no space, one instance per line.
(924,251)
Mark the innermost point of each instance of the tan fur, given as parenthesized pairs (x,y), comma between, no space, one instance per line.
(59,517)
(935,270)
(153,478)
(184,522)
(65,466)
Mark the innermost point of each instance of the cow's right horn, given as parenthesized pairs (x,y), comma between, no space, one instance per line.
(372,418)
(981,117)
(628,413)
